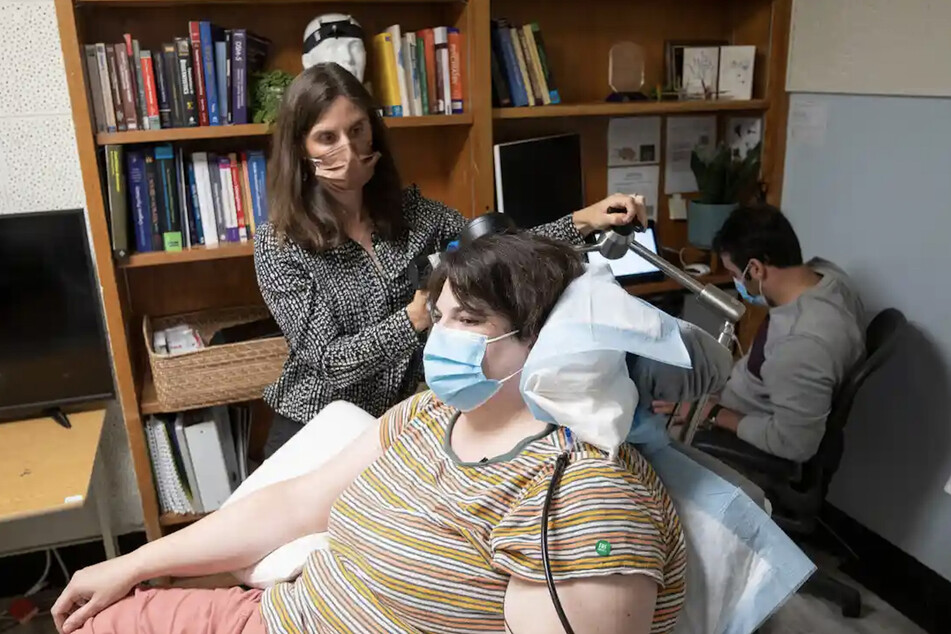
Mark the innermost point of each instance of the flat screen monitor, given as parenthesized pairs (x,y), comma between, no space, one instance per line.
(539,180)
(53,346)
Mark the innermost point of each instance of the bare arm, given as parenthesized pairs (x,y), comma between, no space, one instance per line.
(613,604)
(232,538)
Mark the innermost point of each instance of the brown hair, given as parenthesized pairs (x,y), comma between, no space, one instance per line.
(519,276)
(299,207)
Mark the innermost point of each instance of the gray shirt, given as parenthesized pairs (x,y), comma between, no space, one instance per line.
(811,345)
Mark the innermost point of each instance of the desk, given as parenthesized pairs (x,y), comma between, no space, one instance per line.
(669,286)
(46,468)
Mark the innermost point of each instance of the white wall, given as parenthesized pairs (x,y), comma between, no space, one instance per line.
(869,187)
(39,171)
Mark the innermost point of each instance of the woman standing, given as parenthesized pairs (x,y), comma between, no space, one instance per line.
(332,261)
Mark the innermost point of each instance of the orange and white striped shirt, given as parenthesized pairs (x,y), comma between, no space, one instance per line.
(421,542)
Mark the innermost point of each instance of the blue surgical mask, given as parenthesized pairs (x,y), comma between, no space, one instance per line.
(452,361)
(757,300)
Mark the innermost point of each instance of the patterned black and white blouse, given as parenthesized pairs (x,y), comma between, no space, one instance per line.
(345,319)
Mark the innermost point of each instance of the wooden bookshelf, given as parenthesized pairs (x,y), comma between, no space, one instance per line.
(168,135)
(630,109)
(448,157)
(179,519)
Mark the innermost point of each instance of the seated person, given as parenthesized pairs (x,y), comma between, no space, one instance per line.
(779,395)
(434,514)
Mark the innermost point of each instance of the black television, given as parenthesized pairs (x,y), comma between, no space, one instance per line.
(53,347)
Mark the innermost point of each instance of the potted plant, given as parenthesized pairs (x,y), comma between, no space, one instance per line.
(724,181)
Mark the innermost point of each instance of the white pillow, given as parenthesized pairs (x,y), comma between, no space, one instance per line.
(335,427)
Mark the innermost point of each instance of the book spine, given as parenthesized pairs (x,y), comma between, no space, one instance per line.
(443,89)
(412,73)
(116,91)
(161,89)
(545,63)
(128,90)
(221,74)
(206,208)
(108,109)
(249,216)
(194,204)
(534,64)
(397,41)
(256,165)
(118,210)
(198,69)
(171,227)
(229,35)
(151,176)
(173,82)
(421,71)
(239,76)
(429,54)
(522,69)
(529,70)
(387,85)
(181,190)
(500,86)
(139,199)
(141,100)
(227,197)
(456,82)
(236,194)
(186,77)
(516,87)
(214,177)
(95,88)
(208,67)
(151,98)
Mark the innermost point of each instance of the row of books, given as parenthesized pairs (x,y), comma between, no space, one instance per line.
(419,73)
(198,458)
(172,201)
(521,70)
(202,79)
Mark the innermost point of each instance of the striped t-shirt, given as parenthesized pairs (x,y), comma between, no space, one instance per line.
(422,542)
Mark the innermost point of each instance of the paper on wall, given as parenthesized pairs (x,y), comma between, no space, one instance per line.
(643,180)
(683,135)
(633,141)
(742,134)
(677,207)
(808,121)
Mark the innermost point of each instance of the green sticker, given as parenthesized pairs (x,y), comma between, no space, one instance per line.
(603,547)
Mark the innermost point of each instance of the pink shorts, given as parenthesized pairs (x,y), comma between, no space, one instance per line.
(181,611)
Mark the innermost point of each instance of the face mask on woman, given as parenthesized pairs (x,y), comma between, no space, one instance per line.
(452,361)
(344,169)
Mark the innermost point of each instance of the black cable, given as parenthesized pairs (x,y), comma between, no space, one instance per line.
(555,477)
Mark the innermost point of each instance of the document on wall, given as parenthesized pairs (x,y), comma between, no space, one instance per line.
(642,180)
(742,134)
(808,121)
(683,135)
(633,141)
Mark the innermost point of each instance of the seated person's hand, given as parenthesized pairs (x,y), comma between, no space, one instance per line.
(598,218)
(92,590)
(682,409)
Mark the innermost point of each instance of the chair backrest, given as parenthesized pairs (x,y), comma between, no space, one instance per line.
(881,336)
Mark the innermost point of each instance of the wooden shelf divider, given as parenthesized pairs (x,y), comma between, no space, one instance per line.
(167,135)
(632,108)
(193,254)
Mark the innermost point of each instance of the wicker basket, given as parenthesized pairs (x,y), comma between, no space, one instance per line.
(216,375)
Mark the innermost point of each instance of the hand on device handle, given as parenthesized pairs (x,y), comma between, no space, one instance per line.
(418,311)
(92,590)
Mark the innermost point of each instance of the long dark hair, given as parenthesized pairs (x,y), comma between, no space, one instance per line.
(299,207)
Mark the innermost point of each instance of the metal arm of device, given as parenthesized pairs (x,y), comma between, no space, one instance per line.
(614,244)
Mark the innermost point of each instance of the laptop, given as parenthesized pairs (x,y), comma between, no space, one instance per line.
(632,268)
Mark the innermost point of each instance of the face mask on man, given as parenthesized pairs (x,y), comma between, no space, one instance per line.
(452,361)
(757,300)
(343,169)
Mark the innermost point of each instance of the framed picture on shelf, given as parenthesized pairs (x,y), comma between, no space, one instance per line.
(674,59)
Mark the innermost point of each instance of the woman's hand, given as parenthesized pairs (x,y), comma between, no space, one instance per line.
(418,311)
(597,218)
(92,590)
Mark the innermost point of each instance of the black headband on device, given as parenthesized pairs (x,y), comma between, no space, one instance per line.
(340,28)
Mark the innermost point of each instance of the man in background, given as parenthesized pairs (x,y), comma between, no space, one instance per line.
(780,393)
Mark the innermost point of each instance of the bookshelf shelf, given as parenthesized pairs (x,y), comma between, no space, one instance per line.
(631,108)
(173,3)
(258,129)
(179,519)
(194,254)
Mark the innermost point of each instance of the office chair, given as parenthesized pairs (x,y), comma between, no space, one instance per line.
(796,490)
